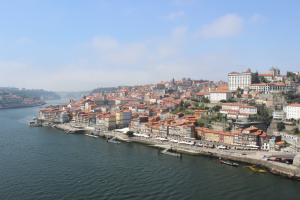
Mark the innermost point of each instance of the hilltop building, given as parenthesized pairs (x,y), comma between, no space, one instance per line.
(239,80)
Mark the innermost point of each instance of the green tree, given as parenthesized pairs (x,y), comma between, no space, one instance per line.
(296,131)
(280,126)
(263,79)
(129,133)
(205,100)
(216,108)
(263,114)
(255,78)
(239,92)
(203,123)
(200,123)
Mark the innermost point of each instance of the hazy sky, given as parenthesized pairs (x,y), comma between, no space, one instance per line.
(78,45)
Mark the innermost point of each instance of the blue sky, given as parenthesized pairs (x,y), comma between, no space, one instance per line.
(79,45)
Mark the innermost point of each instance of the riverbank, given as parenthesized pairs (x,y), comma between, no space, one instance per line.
(253,158)
(22,106)
(248,157)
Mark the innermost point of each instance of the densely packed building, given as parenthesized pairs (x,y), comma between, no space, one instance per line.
(183,110)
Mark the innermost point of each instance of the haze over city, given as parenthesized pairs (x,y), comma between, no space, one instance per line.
(81,45)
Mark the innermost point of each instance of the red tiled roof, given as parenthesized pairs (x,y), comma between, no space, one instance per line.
(294,105)
(265,74)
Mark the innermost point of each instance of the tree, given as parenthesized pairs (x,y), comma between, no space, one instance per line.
(188,112)
(186,104)
(200,106)
(181,104)
(255,78)
(200,123)
(296,131)
(205,100)
(216,108)
(263,114)
(262,79)
(203,123)
(239,92)
(280,126)
(129,133)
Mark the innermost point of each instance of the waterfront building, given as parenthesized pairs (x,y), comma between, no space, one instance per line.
(211,135)
(250,137)
(239,80)
(106,121)
(54,115)
(123,119)
(138,124)
(64,117)
(85,119)
(179,132)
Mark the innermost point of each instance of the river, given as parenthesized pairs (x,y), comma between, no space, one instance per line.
(43,163)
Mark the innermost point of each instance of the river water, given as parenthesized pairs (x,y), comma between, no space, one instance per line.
(43,163)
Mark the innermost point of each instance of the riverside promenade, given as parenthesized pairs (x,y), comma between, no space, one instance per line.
(250,157)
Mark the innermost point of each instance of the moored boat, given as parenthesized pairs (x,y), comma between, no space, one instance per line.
(257,169)
(227,162)
(113,140)
(91,135)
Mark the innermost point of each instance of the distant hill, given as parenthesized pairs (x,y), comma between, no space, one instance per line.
(15,98)
(104,89)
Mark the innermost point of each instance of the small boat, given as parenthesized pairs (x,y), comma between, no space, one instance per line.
(171,153)
(112,140)
(226,162)
(90,135)
(257,169)
(34,123)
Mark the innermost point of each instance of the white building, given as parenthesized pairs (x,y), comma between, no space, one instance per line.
(267,88)
(260,87)
(237,110)
(292,111)
(217,96)
(279,115)
(239,80)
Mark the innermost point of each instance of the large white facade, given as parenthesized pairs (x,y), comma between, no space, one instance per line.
(239,80)
(292,111)
(218,96)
